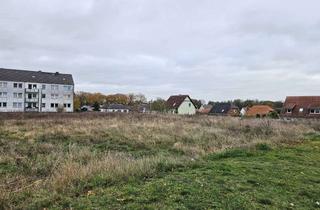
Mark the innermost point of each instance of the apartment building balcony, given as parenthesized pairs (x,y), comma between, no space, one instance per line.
(32,109)
(33,90)
(35,100)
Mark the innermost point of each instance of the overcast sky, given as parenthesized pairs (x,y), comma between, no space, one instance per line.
(210,49)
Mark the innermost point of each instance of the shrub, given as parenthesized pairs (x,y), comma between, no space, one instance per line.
(273,115)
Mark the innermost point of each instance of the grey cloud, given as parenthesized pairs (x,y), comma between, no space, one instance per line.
(209,49)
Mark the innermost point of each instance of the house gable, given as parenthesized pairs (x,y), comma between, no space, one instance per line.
(181,104)
(187,107)
(301,106)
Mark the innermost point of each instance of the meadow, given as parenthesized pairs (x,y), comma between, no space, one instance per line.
(111,161)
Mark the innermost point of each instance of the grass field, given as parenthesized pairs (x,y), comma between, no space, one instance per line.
(158,161)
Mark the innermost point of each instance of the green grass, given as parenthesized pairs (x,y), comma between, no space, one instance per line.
(256,178)
(158,162)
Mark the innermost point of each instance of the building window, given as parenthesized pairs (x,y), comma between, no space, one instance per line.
(17,95)
(17,105)
(3,94)
(68,96)
(54,87)
(43,105)
(43,87)
(54,105)
(67,105)
(3,104)
(43,95)
(301,110)
(67,87)
(20,85)
(189,104)
(289,111)
(3,84)
(54,96)
(15,85)
(315,111)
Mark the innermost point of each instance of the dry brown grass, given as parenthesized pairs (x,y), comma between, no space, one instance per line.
(67,154)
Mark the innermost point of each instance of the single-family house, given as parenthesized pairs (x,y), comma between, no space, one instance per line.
(224,109)
(301,106)
(86,108)
(144,108)
(181,104)
(115,108)
(259,111)
(205,109)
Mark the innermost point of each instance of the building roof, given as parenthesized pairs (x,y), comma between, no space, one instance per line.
(259,109)
(222,108)
(175,101)
(302,102)
(15,75)
(205,109)
(115,106)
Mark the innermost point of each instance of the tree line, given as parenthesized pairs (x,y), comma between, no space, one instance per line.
(159,104)
(248,103)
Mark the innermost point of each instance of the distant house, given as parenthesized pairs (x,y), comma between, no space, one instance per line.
(301,106)
(243,111)
(226,109)
(115,108)
(205,109)
(144,108)
(181,104)
(259,111)
(86,108)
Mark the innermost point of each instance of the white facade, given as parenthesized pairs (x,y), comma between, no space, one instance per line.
(35,97)
(187,107)
(243,111)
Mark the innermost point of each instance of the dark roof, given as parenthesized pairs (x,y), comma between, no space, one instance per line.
(35,76)
(175,101)
(222,108)
(115,106)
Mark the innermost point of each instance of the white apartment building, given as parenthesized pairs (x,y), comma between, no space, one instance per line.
(35,91)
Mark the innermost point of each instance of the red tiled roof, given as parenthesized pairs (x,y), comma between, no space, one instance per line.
(302,105)
(205,109)
(302,101)
(259,109)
